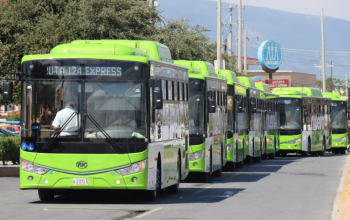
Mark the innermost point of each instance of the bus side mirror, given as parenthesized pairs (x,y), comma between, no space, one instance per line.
(7,90)
(253,107)
(239,106)
(157,93)
(211,102)
(306,112)
(157,96)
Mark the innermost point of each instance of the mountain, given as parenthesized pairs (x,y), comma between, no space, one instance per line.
(291,30)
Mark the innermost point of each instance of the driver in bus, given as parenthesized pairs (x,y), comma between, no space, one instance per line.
(291,120)
(70,97)
(124,119)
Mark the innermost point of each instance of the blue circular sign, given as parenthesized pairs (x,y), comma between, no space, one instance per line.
(270,54)
(23,146)
(36,127)
(30,146)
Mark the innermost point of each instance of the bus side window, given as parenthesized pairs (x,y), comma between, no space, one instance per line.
(164,88)
(170,90)
(321,109)
(181,92)
(175,87)
(186,91)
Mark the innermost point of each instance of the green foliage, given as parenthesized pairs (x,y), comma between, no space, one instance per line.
(9,149)
(35,27)
(189,43)
(337,85)
(13,117)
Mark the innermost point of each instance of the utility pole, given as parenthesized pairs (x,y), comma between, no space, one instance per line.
(218,48)
(346,89)
(331,76)
(230,33)
(323,54)
(240,36)
(245,52)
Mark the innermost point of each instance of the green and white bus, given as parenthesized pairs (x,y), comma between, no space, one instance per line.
(271,122)
(118,118)
(339,122)
(305,121)
(207,119)
(255,103)
(237,123)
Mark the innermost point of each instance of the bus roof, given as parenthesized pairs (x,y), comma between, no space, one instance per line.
(306,91)
(263,87)
(150,49)
(246,81)
(192,71)
(85,56)
(228,75)
(335,96)
(205,68)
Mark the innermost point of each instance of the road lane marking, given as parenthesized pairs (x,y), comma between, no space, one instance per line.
(149,212)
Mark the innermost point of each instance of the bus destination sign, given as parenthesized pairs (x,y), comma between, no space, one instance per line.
(83,71)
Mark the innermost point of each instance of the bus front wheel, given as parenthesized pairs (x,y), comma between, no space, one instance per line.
(46,195)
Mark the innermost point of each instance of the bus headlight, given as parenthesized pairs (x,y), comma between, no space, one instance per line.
(229,147)
(133,168)
(196,156)
(340,139)
(33,168)
(295,141)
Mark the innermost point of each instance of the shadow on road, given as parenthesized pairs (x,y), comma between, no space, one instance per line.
(185,195)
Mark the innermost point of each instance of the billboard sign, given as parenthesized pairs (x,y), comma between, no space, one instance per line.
(270,54)
(274,83)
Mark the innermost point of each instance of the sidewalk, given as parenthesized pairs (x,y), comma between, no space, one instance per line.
(341,210)
(9,170)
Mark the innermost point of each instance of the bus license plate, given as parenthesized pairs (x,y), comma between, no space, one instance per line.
(80,181)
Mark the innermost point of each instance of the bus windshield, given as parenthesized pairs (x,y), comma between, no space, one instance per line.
(339,115)
(290,115)
(116,108)
(196,122)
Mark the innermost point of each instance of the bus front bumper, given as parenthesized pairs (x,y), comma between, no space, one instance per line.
(106,180)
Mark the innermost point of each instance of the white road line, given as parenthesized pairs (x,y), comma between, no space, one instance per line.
(149,212)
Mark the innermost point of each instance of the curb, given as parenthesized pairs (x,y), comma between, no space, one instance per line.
(341,209)
(11,171)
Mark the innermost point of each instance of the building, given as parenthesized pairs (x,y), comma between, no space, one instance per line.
(295,79)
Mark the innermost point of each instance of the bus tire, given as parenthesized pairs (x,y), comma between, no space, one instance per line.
(175,188)
(342,150)
(240,164)
(321,153)
(258,158)
(283,154)
(272,155)
(217,173)
(46,195)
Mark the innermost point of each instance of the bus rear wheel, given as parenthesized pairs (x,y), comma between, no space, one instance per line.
(321,153)
(342,150)
(175,188)
(46,195)
(217,173)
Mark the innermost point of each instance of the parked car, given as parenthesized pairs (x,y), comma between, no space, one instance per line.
(6,133)
(12,128)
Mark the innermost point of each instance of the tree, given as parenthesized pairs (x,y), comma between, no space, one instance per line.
(189,43)
(35,27)
(338,85)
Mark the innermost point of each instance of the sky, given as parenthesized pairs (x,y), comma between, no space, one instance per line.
(331,8)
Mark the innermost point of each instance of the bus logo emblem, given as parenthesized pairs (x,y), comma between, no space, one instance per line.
(81,164)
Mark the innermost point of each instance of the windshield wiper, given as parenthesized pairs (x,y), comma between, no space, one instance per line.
(109,139)
(61,129)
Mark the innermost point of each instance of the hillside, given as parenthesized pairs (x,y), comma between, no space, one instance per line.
(292,30)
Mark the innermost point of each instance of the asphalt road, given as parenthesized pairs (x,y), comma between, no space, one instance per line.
(284,188)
